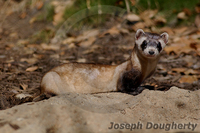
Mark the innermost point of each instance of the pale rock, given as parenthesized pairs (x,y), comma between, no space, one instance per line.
(74,112)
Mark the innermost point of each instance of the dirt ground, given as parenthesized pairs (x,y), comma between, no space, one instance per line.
(16,57)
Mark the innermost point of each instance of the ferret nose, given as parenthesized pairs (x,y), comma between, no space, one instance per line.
(151,52)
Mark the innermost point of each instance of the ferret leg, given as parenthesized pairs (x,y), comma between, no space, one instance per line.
(51,83)
(130,81)
(137,91)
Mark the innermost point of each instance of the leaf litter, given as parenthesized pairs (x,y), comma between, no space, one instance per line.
(24,63)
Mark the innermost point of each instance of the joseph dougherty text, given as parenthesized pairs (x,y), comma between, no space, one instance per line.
(151,125)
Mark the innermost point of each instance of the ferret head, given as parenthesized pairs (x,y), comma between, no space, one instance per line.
(150,45)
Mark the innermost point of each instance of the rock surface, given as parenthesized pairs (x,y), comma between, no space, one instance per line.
(96,112)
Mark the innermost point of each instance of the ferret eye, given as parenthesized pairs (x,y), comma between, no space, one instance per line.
(144,45)
(159,47)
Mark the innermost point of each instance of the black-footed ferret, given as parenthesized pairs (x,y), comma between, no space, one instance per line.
(126,77)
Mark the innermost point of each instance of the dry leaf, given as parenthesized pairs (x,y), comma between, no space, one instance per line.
(28,50)
(88,42)
(148,14)
(39,5)
(29,61)
(180,30)
(113,31)
(189,31)
(188,79)
(87,34)
(83,60)
(133,2)
(50,47)
(34,46)
(1,30)
(126,56)
(32,20)
(9,12)
(88,51)
(133,17)
(160,67)
(55,56)
(14,35)
(23,15)
(179,70)
(2,56)
(68,40)
(193,45)
(31,69)
(72,45)
(124,31)
(178,48)
(181,15)
(187,11)
(149,22)
(192,72)
(173,48)
(57,18)
(22,42)
(139,25)
(125,47)
(24,86)
(195,36)
(59,8)
(20,96)
(160,19)
(2,76)
(197,9)
(38,56)
(101,58)
(168,30)
(10,61)
(197,21)
(190,60)
(176,39)
(198,47)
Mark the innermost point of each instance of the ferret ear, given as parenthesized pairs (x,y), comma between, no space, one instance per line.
(165,37)
(139,33)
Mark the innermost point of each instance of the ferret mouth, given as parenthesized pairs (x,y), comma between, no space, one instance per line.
(151,56)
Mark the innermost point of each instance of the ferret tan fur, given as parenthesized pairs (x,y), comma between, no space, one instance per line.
(91,78)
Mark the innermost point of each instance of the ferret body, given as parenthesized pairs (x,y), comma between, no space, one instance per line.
(91,78)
